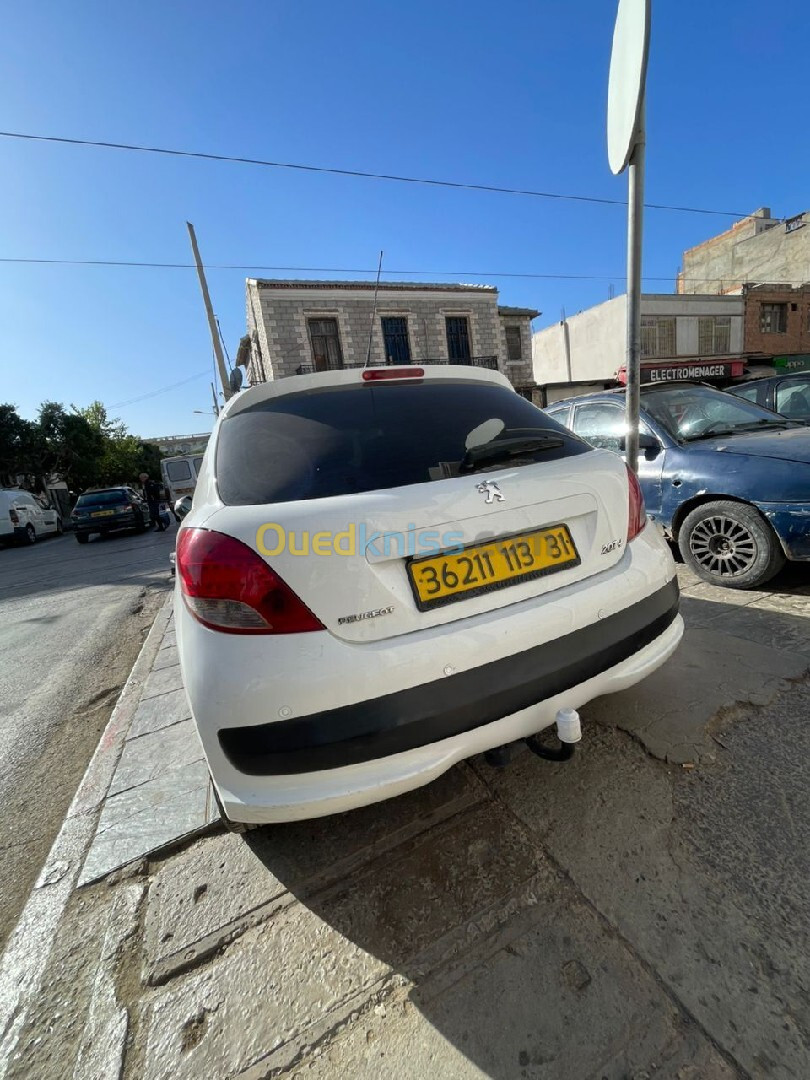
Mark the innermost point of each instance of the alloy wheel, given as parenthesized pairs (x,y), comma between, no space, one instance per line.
(723,546)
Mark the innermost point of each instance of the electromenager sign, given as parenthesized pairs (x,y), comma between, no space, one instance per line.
(695,371)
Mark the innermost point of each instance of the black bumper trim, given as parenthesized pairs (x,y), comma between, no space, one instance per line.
(451,706)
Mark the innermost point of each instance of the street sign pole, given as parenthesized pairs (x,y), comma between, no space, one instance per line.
(626,136)
(635,223)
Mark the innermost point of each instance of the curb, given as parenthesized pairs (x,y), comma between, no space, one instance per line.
(26,954)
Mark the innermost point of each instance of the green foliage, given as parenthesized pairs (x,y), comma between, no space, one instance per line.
(18,445)
(84,447)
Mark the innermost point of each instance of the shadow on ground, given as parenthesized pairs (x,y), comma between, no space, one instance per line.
(616,916)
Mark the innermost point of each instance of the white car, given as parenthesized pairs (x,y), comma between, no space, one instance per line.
(24,518)
(388,570)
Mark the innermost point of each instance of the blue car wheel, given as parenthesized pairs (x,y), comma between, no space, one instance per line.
(729,543)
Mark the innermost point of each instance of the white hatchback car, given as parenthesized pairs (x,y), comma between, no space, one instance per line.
(388,570)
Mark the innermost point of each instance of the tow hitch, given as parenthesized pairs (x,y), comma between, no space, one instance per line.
(569,733)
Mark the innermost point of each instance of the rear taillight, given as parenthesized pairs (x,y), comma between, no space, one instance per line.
(15,517)
(637,515)
(228,587)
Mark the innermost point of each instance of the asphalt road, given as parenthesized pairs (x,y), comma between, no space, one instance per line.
(72,619)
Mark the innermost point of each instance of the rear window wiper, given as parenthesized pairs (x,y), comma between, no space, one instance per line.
(504,449)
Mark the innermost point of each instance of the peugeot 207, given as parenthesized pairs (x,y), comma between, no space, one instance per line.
(388,570)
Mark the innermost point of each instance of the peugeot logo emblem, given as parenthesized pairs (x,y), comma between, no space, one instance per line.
(491,490)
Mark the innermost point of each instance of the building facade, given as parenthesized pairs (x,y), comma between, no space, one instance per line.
(296,327)
(681,336)
(777,321)
(181,444)
(757,249)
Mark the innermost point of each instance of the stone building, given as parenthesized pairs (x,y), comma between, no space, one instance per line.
(296,327)
(757,249)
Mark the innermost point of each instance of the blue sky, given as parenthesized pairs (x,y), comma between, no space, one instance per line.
(510,94)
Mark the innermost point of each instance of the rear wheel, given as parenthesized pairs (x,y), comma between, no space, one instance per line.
(82,538)
(30,534)
(728,543)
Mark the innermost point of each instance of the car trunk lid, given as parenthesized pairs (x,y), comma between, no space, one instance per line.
(347,489)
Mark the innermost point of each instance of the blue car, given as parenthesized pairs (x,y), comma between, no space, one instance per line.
(728,481)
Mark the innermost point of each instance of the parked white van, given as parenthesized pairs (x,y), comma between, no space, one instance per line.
(179,475)
(24,518)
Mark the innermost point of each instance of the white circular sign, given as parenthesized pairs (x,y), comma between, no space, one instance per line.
(628,74)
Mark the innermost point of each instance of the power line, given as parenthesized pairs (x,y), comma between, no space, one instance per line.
(160,390)
(356,173)
(247,267)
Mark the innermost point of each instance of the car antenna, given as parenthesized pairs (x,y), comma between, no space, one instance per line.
(373,312)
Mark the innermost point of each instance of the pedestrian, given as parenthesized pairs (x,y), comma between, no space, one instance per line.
(151,493)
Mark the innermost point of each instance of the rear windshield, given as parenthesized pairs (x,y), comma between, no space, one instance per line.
(178,470)
(102,498)
(345,440)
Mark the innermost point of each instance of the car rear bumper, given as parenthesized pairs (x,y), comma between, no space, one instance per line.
(107,524)
(341,725)
(791,523)
(268,800)
(434,711)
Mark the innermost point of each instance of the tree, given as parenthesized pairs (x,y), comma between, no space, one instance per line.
(83,447)
(96,416)
(125,457)
(74,448)
(17,450)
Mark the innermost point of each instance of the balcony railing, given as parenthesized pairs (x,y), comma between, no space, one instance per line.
(490,362)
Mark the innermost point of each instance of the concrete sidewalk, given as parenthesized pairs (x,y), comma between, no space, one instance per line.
(617,916)
(160,791)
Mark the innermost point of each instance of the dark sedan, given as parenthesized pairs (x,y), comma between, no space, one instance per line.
(788,395)
(728,481)
(107,510)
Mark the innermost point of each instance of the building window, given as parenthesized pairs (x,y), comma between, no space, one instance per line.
(325,338)
(714,335)
(514,343)
(458,339)
(773,318)
(657,335)
(395,340)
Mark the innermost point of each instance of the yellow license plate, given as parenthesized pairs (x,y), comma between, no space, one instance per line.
(102,513)
(495,564)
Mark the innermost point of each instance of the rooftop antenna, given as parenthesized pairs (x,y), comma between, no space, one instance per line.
(374,311)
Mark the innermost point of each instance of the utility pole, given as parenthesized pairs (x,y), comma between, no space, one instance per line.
(209,311)
(216,403)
